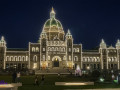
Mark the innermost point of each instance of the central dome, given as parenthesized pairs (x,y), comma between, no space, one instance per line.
(52,24)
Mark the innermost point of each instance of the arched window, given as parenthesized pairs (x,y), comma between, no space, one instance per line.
(11,58)
(69,49)
(56,48)
(7,58)
(52,48)
(64,58)
(35,58)
(77,49)
(48,57)
(26,58)
(37,49)
(33,49)
(64,49)
(19,58)
(15,58)
(74,50)
(23,58)
(61,49)
(43,49)
(69,57)
(48,48)
(43,57)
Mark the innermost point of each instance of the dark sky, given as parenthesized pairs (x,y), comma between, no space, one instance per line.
(21,21)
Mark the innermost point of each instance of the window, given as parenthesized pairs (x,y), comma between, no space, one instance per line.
(75,58)
(19,58)
(43,49)
(11,58)
(43,57)
(23,58)
(70,58)
(69,49)
(33,49)
(64,58)
(35,58)
(15,58)
(26,58)
(48,57)
(48,48)
(77,49)
(37,49)
(56,48)
(63,49)
(7,58)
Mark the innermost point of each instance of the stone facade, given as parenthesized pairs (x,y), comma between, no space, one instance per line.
(55,49)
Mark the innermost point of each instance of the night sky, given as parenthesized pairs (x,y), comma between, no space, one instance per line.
(21,21)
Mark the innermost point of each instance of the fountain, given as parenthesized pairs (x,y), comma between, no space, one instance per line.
(78,71)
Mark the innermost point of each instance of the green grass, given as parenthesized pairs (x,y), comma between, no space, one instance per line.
(50,80)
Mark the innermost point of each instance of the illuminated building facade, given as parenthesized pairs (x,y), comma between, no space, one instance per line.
(55,49)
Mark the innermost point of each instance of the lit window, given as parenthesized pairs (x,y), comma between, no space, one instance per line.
(37,49)
(48,48)
(64,58)
(77,49)
(23,58)
(48,57)
(63,49)
(43,49)
(69,49)
(33,49)
(35,58)
(15,58)
(19,58)
(11,58)
(70,58)
(26,58)
(43,57)
(75,58)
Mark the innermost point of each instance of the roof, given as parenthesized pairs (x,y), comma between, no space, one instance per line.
(17,49)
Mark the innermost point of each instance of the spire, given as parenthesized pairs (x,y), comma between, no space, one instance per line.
(102,44)
(52,10)
(102,41)
(118,44)
(2,41)
(118,41)
(68,33)
(52,13)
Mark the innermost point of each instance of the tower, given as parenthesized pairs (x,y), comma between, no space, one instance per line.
(103,55)
(2,52)
(69,43)
(43,45)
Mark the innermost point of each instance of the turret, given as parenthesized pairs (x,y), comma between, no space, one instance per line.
(2,42)
(102,44)
(69,35)
(118,44)
(2,52)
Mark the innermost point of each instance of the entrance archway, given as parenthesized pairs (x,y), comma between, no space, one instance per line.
(56,61)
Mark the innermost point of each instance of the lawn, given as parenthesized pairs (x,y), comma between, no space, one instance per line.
(50,80)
